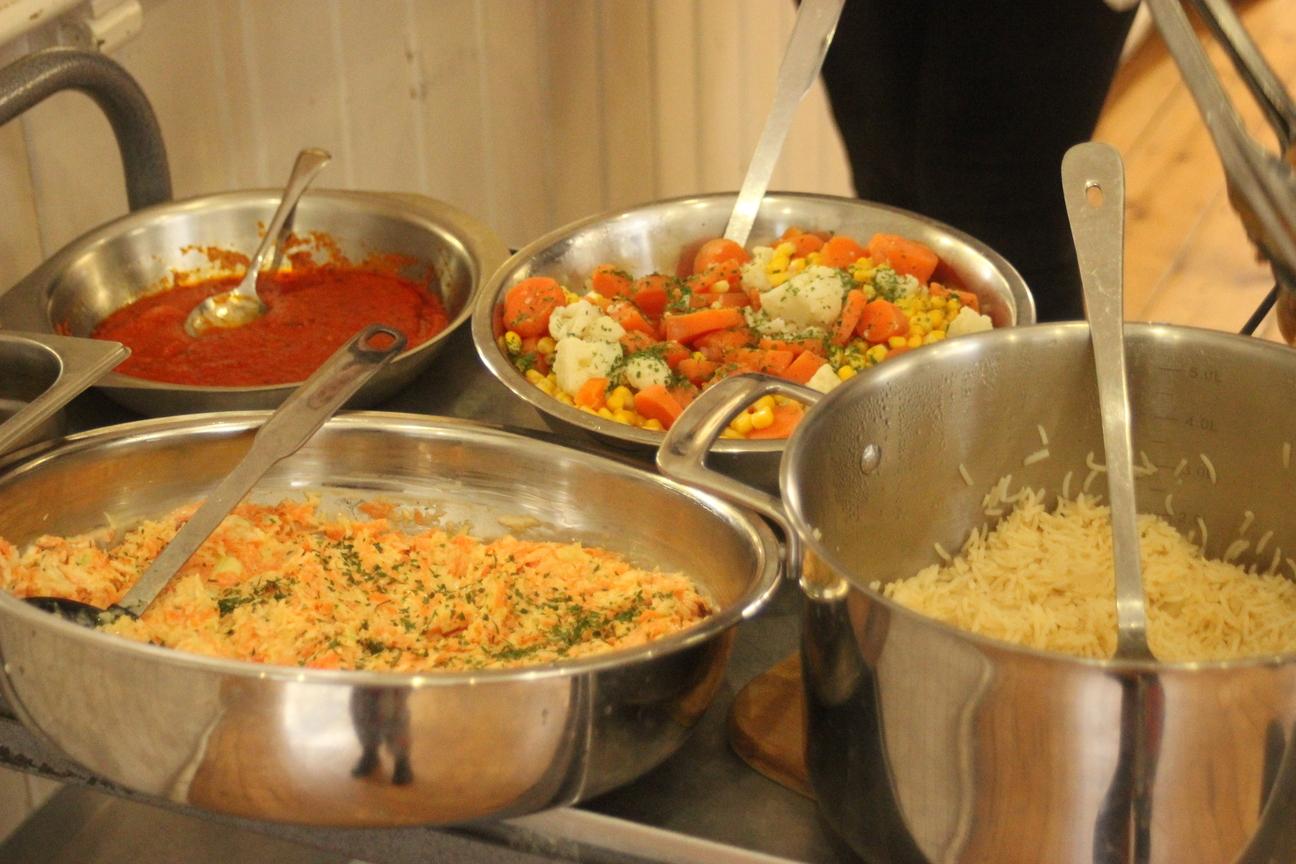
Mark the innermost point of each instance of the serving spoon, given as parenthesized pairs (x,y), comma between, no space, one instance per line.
(242,305)
(812,33)
(282,434)
(1093,185)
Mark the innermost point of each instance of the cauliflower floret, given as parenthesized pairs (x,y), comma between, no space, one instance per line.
(754,271)
(645,369)
(893,286)
(777,328)
(572,319)
(583,320)
(968,321)
(576,361)
(812,297)
(824,379)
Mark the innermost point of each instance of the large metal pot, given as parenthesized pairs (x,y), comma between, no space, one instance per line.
(929,743)
(279,743)
(650,238)
(114,264)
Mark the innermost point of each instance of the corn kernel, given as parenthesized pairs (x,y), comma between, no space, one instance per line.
(546,385)
(624,416)
(698,355)
(779,263)
(720,286)
(785,249)
(587,409)
(653,424)
(605,413)
(797,265)
(762,418)
(870,292)
(934,336)
(564,397)
(777,279)
(570,296)
(814,257)
(877,353)
(730,433)
(513,342)
(936,317)
(742,424)
(619,398)
(764,402)
(897,342)
(546,345)
(534,376)
(846,372)
(915,341)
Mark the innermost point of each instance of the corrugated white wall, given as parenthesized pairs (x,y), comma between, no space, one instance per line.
(525,113)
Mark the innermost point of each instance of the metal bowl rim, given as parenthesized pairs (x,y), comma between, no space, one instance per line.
(466,230)
(756,596)
(797,450)
(483,316)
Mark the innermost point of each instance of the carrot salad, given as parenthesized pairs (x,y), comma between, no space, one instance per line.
(282,585)
(813,308)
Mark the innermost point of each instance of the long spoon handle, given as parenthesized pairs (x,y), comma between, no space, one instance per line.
(310,162)
(812,33)
(1093,184)
(281,435)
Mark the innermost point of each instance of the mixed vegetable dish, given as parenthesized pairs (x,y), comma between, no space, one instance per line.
(813,308)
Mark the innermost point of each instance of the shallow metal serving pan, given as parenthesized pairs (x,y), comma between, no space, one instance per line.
(650,238)
(280,744)
(114,264)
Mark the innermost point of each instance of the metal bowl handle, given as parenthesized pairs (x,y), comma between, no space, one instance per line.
(682,453)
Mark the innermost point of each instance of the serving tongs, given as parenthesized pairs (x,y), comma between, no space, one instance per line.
(1261,185)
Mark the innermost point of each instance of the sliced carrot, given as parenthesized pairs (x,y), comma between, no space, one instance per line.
(936,289)
(656,403)
(650,294)
(967,298)
(840,251)
(716,344)
(729,299)
(696,371)
(796,346)
(786,418)
(716,251)
(673,353)
(636,340)
(803,368)
(593,393)
(852,308)
(880,320)
(896,352)
(687,327)
(529,303)
(628,315)
(684,393)
(758,360)
(611,281)
(805,244)
(907,257)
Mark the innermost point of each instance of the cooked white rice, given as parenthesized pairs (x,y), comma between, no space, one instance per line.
(1045,579)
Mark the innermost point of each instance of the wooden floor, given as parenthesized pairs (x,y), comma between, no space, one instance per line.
(1187,258)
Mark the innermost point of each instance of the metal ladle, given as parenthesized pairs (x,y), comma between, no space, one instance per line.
(242,305)
(286,430)
(812,33)
(1093,184)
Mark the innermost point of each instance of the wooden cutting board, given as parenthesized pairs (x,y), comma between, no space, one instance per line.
(767,725)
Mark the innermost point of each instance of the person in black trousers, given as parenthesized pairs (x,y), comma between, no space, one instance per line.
(962,110)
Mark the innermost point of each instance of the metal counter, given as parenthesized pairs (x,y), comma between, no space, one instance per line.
(704,804)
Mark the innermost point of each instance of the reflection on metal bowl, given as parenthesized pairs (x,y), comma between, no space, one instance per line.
(929,743)
(285,744)
(114,264)
(649,238)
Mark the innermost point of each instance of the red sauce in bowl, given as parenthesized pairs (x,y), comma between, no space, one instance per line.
(309,314)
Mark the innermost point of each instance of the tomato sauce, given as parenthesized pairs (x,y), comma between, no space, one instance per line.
(309,315)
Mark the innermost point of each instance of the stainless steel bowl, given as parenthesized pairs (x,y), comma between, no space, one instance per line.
(929,743)
(279,743)
(114,264)
(649,238)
